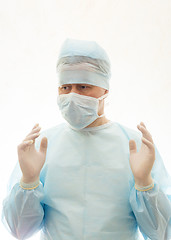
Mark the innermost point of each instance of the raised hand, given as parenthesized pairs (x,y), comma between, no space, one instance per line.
(31,161)
(142,162)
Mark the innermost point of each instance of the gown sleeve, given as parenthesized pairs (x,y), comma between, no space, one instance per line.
(23,210)
(152,209)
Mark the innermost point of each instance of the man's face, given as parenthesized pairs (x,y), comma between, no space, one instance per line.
(87,90)
(82,89)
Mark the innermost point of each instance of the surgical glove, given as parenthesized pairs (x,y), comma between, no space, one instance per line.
(31,161)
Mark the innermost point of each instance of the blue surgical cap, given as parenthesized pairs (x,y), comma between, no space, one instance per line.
(82,61)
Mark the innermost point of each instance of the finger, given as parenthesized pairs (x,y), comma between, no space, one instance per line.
(27,142)
(32,136)
(36,125)
(43,145)
(145,133)
(148,143)
(142,123)
(132,146)
(37,129)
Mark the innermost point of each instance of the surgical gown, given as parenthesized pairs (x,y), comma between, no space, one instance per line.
(87,192)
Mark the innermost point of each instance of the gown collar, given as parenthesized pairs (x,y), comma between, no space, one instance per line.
(96,128)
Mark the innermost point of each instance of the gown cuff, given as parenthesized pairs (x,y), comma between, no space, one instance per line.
(29,186)
(146,188)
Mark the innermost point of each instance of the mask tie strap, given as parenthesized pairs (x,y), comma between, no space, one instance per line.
(101,115)
(100,98)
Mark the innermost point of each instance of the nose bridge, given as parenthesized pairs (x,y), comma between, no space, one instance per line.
(74,89)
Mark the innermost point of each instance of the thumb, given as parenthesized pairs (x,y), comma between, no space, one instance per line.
(43,145)
(132,146)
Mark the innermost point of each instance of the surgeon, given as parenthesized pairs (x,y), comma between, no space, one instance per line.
(88,178)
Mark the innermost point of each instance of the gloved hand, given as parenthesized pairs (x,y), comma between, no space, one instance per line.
(31,161)
(142,162)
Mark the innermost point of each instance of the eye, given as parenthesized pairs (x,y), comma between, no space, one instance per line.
(84,87)
(65,87)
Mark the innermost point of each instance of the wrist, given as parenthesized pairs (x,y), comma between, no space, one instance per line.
(144,182)
(27,180)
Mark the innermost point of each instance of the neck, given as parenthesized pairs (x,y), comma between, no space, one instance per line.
(98,122)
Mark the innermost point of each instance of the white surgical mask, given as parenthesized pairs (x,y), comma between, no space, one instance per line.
(79,110)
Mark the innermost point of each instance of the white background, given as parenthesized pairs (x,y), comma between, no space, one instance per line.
(136,36)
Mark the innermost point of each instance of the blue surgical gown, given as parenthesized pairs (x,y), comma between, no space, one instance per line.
(87,190)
